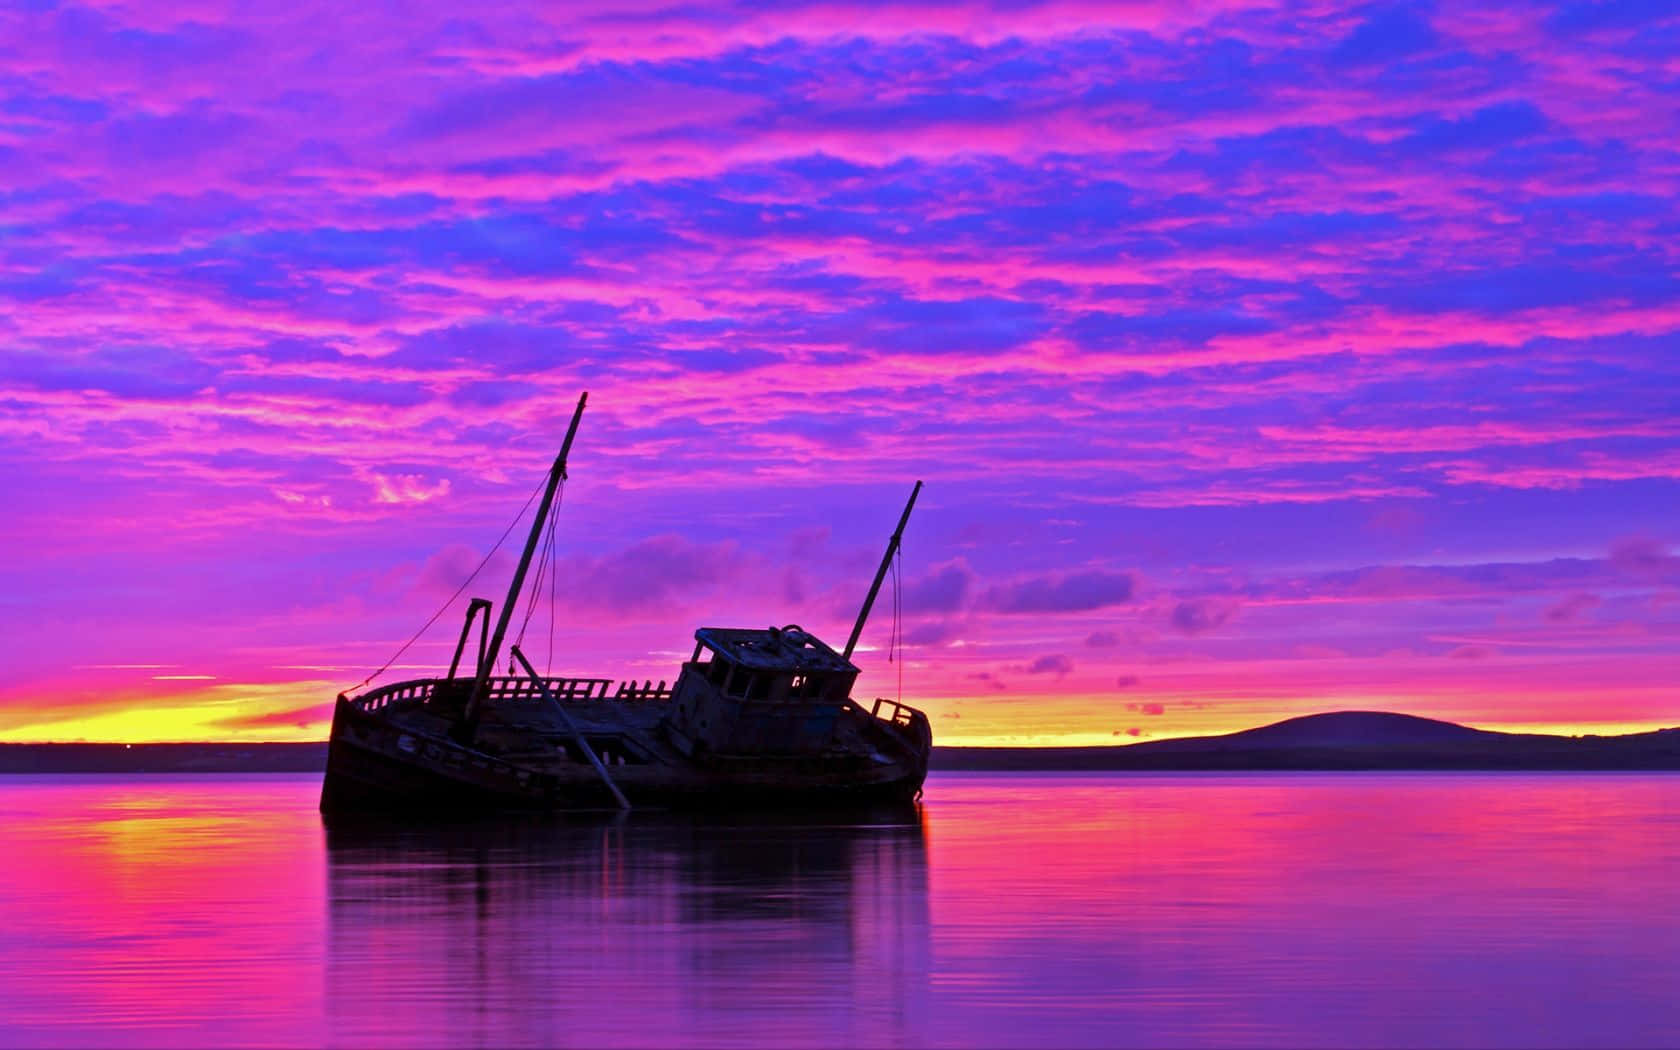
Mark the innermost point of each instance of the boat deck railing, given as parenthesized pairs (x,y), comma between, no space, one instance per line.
(400,694)
(894,712)
(896,719)
(910,722)
(515,690)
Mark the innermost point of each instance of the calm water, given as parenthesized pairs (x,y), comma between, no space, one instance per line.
(1045,910)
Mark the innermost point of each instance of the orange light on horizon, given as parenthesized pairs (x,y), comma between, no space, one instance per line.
(270,712)
(301,711)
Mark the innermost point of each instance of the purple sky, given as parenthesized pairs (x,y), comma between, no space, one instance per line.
(1258,360)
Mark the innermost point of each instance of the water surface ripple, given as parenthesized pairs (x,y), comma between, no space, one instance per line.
(1011,910)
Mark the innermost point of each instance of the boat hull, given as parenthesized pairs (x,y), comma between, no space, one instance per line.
(375,764)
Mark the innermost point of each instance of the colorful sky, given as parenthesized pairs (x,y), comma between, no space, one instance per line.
(1259,359)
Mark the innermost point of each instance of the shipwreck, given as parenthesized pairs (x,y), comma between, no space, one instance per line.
(756,717)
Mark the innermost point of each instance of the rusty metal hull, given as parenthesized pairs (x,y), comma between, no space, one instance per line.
(389,761)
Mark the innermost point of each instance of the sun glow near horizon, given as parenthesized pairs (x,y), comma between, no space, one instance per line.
(301,712)
(268,712)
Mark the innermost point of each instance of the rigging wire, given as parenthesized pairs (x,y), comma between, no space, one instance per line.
(544,564)
(895,636)
(898,615)
(553,575)
(451,599)
(530,599)
(892,631)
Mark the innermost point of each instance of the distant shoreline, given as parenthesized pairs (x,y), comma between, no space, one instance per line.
(311,758)
(163,758)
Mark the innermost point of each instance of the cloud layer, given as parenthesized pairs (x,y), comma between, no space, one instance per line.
(1261,359)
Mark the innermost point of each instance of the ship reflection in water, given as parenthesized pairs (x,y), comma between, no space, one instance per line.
(655,930)
(1092,910)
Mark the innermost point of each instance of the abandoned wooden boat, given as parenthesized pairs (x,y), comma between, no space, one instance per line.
(757,717)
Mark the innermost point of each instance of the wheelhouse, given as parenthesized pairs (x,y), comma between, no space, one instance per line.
(777,664)
(776,690)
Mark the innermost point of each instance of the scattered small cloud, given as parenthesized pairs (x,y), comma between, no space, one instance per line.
(1053,664)
(931,632)
(1195,615)
(1470,652)
(793,586)
(1102,639)
(1573,607)
(1315,651)
(407,488)
(1126,681)
(1074,592)
(296,717)
(651,573)
(1399,520)
(941,590)
(1642,556)
(449,567)
(809,542)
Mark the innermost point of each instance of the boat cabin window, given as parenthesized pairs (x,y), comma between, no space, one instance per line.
(775,683)
(731,680)
(768,685)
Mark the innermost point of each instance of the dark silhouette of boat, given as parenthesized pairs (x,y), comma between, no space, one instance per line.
(756,718)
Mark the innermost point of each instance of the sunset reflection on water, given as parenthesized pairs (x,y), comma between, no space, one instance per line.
(1053,909)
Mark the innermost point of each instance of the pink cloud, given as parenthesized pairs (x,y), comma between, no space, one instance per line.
(1573,607)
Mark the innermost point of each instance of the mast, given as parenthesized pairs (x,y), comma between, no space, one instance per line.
(881,573)
(557,473)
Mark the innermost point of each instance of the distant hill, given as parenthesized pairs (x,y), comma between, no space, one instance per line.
(1349,740)
(1339,729)
(1344,740)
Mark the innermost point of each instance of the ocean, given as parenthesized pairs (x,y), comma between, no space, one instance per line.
(1019,909)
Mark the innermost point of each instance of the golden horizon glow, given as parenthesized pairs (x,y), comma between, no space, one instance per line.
(249,713)
(226,713)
